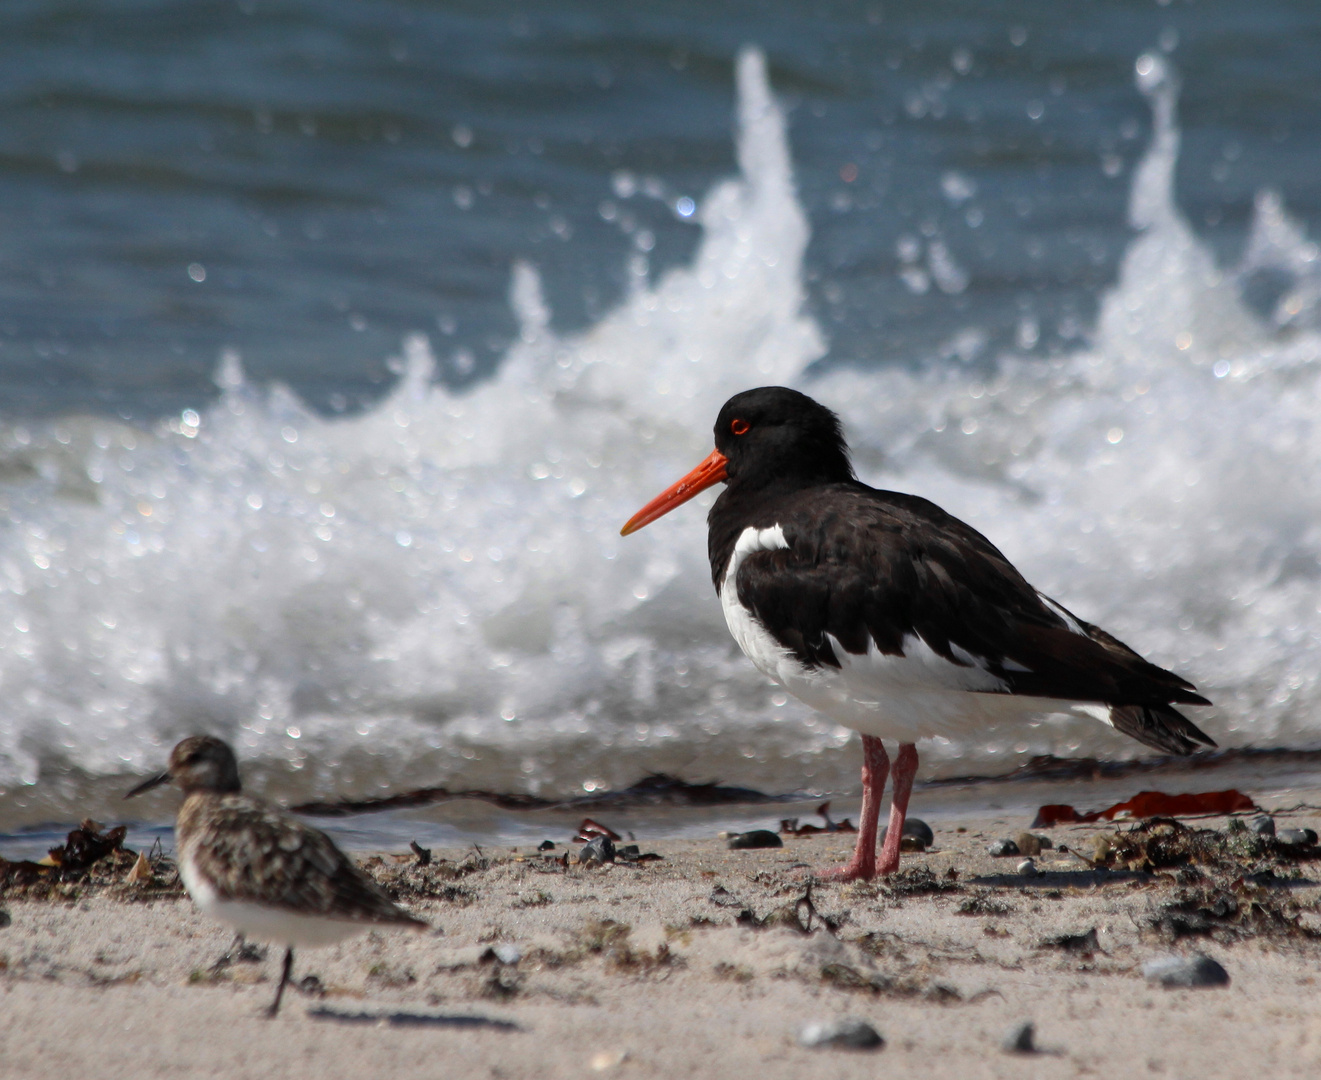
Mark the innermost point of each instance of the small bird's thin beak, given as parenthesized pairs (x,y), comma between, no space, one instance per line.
(711,471)
(147,785)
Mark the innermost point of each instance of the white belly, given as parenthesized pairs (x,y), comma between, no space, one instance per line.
(919,695)
(258,922)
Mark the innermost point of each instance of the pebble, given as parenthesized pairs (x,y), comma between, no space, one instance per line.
(1296,837)
(917,834)
(599,850)
(546,845)
(1028,868)
(757,838)
(848,1031)
(1263,826)
(507,953)
(1021,1039)
(1002,849)
(1032,844)
(1185,971)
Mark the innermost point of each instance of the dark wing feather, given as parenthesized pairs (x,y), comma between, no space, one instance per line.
(867,566)
(254,852)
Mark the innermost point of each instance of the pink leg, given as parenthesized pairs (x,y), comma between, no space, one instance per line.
(905,768)
(875,770)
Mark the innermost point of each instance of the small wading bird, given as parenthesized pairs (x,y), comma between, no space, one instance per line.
(266,874)
(890,616)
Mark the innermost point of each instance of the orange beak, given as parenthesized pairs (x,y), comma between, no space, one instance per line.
(711,471)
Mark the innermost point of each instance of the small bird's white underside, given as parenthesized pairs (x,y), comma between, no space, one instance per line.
(258,922)
(915,696)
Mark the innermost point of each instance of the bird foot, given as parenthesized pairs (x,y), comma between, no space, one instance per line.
(852,871)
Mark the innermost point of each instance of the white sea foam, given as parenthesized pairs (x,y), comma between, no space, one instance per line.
(437,589)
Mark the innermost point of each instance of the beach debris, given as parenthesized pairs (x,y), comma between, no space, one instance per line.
(240,951)
(797,915)
(1002,849)
(546,845)
(141,873)
(917,835)
(1032,844)
(1085,944)
(504,953)
(921,881)
(1021,1039)
(608,1059)
(631,853)
(1264,825)
(86,848)
(310,985)
(1027,868)
(1148,804)
(1185,971)
(1296,837)
(423,854)
(657,789)
(86,845)
(598,852)
(1232,853)
(790,826)
(1229,906)
(590,830)
(756,838)
(846,1032)
(983,903)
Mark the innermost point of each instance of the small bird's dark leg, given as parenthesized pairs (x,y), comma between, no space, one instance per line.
(905,768)
(285,973)
(231,954)
(875,770)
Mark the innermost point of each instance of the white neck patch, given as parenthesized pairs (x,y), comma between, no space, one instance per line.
(750,541)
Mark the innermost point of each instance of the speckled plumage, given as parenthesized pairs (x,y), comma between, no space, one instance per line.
(250,851)
(267,874)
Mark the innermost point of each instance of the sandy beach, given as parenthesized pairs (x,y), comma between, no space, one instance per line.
(707,962)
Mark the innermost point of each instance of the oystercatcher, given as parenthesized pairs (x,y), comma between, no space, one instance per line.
(889,615)
(265,873)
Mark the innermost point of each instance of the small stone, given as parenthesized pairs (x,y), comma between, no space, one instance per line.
(1185,971)
(599,851)
(507,953)
(546,845)
(757,838)
(1021,1039)
(1032,844)
(849,1032)
(1027,868)
(1002,849)
(1296,837)
(608,1059)
(917,835)
(1263,825)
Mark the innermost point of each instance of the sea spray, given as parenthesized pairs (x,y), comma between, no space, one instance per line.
(435,591)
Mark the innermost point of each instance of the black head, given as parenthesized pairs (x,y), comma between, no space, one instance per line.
(766,439)
(199,763)
(774,435)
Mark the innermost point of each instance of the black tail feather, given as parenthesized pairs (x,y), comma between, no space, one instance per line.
(1161,727)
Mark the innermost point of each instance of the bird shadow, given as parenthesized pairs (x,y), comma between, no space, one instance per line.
(414,1020)
(1057,879)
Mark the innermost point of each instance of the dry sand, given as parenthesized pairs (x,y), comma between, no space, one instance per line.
(645,971)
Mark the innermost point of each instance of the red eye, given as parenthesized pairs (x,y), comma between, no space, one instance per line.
(739,427)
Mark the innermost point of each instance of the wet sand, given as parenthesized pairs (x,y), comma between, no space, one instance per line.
(707,962)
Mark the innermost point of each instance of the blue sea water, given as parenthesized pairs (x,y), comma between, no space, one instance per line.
(337,339)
